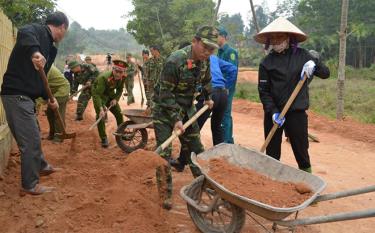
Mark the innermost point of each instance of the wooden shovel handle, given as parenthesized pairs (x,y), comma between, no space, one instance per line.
(283,112)
(177,133)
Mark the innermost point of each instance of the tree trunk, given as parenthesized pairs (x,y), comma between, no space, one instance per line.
(342,56)
(360,55)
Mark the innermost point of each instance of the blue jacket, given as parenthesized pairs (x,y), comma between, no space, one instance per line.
(220,69)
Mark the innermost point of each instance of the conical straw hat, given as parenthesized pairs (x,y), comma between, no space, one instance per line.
(280,25)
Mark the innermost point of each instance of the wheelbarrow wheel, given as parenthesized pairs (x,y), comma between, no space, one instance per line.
(130,140)
(225,217)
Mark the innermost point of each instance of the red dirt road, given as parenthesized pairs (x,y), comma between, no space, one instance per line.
(99,192)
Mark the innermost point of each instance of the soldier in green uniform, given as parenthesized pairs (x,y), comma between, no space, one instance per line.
(106,91)
(88,60)
(129,80)
(184,71)
(84,74)
(145,73)
(155,66)
(60,89)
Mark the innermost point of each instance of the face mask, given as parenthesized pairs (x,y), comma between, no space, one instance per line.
(280,47)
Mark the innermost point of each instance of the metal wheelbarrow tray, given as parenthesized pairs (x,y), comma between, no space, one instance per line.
(264,165)
(132,134)
(236,205)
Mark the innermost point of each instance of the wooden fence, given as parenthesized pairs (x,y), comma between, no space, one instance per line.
(7,40)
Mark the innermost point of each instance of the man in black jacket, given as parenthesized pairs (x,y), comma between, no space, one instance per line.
(34,49)
(279,73)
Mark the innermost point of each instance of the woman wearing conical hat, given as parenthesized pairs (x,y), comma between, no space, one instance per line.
(279,73)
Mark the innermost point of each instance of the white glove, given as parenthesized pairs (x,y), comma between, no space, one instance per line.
(308,68)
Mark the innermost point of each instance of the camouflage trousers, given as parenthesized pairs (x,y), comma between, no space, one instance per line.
(149,92)
(190,141)
(129,85)
(83,100)
(54,126)
(116,111)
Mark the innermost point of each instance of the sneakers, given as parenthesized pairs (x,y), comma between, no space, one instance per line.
(79,117)
(37,190)
(105,143)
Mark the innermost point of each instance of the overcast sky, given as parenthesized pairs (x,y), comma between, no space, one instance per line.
(108,14)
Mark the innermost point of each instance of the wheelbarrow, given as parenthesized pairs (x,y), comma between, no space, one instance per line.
(214,209)
(132,134)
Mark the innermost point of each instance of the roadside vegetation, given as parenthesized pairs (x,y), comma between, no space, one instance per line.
(359,94)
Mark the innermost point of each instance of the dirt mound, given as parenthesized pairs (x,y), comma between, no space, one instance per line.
(99,190)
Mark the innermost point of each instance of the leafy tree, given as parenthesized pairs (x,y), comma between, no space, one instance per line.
(235,26)
(168,23)
(22,12)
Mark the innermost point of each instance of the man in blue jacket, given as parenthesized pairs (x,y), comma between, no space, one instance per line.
(34,50)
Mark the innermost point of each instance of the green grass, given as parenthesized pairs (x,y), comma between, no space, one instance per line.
(359,101)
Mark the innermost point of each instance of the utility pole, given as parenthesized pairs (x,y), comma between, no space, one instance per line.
(216,13)
(342,57)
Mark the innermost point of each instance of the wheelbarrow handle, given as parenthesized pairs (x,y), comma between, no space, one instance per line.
(177,133)
(283,112)
(334,217)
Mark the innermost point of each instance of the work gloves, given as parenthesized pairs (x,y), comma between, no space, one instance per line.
(276,120)
(308,68)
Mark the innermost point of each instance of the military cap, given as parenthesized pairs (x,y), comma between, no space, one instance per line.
(222,31)
(87,58)
(208,35)
(119,64)
(73,64)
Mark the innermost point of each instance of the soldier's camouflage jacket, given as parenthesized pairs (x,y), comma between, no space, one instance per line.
(88,73)
(155,66)
(179,80)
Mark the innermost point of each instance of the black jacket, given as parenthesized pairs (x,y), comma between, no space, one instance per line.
(279,74)
(21,78)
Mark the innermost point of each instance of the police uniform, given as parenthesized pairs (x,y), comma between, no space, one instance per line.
(105,89)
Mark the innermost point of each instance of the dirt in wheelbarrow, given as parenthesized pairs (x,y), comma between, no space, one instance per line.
(255,186)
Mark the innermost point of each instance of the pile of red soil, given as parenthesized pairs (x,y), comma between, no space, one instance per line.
(98,190)
(253,185)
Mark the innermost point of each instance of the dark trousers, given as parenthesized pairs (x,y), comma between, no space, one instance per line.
(220,98)
(20,114)
(296,128)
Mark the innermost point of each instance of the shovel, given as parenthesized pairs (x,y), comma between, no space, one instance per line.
(76,93)
(283,112)
(177,133)
(63,135)
(100,118)
(140,86)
